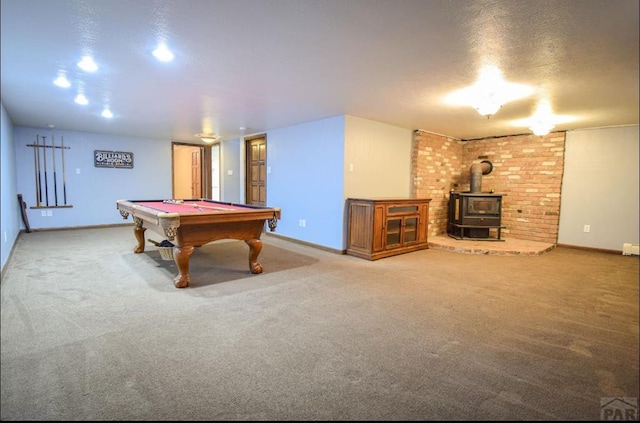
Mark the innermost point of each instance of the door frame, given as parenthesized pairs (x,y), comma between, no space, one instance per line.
(205,164)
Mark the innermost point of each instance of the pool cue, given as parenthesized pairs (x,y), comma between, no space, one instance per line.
(46,183)
(39,175)
(53,157)
(199,206)
(64,182)
(36,167)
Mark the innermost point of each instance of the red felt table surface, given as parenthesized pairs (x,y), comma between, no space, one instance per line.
(190,207)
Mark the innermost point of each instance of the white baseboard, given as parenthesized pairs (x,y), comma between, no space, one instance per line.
(629,249)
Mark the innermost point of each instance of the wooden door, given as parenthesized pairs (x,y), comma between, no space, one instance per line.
(196,174)
(256,192)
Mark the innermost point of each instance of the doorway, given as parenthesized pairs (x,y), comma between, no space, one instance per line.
(256,177)
(191,171)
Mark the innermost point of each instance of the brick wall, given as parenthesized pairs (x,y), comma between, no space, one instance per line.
(526,168)
(436,163)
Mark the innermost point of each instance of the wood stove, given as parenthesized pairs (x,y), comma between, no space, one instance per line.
(475,214)
(472,215)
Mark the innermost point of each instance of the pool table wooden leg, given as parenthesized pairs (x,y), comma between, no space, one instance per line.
(181,256)
(255,246)
(138,231)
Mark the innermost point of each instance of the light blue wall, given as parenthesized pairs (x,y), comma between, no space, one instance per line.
(305,178)
(10,213)
(92,191)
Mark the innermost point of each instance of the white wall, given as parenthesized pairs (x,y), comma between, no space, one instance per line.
(93,191)
(10,216)
(600,188)
(377,159)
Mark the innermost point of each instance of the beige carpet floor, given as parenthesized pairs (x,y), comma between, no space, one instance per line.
(91,331)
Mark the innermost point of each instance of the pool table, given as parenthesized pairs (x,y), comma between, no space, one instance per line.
(192,223)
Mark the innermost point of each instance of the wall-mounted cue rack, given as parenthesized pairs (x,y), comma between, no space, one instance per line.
(45,164)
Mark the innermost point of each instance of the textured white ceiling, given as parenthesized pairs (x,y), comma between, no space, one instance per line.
(265,64)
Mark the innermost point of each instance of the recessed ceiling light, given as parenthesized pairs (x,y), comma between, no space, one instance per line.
(163,54)
(61,80)
(107,113)
(81,99)
(87,64)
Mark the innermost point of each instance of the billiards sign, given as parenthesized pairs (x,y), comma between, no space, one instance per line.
(118,159)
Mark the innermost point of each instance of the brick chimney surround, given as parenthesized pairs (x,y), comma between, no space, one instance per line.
(527,169)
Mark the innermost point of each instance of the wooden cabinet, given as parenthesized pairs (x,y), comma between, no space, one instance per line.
(384,227)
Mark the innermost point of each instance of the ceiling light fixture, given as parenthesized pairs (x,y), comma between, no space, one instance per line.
(541,128)
(61,80)
(87,64)
(208,138)
(487,104)
(163,53)
(543,119)
(489,93)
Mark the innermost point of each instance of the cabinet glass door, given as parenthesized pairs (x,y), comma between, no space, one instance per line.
(393,232)
(410,229)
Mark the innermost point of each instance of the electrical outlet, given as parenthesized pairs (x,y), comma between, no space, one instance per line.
(587,228)
(43,213)
(49,213)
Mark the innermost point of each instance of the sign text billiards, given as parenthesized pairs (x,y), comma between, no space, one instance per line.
(118,159)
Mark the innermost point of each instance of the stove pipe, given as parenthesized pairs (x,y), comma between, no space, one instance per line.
(479,168)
